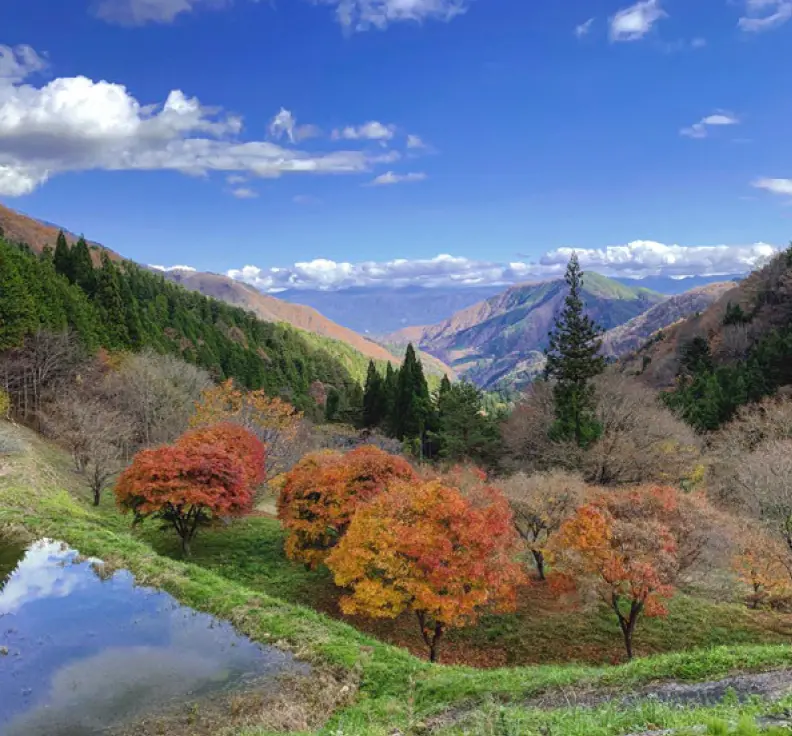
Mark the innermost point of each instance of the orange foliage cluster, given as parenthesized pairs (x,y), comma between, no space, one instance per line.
(761,564)
(204,474)
(620,546)
(238,442)
(322,492)
(423,547)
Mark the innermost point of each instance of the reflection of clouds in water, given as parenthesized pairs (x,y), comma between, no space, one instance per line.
(116,685)
(39,575)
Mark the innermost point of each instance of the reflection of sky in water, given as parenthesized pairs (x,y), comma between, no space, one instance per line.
(86,653)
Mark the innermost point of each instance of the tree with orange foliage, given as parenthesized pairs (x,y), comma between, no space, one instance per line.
(322,492)
(273,420)
(761,564)
(424,547)
(238,442)
(618,548)
(186,485)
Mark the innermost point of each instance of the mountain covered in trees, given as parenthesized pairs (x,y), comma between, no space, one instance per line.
(500,342)
(120,306)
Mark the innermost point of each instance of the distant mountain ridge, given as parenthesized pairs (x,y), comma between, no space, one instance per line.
(499,342)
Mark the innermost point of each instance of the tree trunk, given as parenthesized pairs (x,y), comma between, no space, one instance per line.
(627,623)
(185,544)
(540,563)
(438,633)
(97,495)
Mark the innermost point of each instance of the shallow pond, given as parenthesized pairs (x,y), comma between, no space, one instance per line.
(82,652)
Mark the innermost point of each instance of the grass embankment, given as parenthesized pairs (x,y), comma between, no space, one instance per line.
(239,574)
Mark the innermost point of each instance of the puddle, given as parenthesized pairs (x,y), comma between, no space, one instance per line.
(83,653)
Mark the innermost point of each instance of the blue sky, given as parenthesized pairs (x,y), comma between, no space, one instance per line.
(492,130)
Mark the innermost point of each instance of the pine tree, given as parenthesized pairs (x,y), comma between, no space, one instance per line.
(111,303)
(62,257)
(17,308)
(464,430)
(573,360)
(390,386)
(445,387)
(82,268)
(374,398)
(412,406)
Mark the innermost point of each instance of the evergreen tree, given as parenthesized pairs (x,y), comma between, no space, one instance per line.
(374,399)
(82,268)
(573,360)
(412,406)
(465,430)
(445,387)
(17,309)
(111,303)
(390,386)
(332,405)
(62,257)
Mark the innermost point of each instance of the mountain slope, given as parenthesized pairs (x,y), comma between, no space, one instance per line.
(379,310)
(499,342)
(633,334)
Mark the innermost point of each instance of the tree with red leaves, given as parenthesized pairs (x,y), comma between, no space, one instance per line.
(424,547)
(322,492)
(187,484)
(618,547)
(238,442)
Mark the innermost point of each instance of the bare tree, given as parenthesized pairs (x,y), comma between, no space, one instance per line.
(158,393)
(541,503)
(640,441)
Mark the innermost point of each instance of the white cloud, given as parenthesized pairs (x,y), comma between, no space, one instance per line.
(634,260)
(584,28)
(775,186)
(361,15)
(414,141)
(77,124)
(236,179)
(171,268)
(19,62)
(141,12)
(764,15)
(700,129)
(285,124)
(372,131)
(633,23)
(244,193)
(392,178)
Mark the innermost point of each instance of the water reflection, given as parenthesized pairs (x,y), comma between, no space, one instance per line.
(86,653)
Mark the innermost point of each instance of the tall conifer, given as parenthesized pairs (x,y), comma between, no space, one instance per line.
(374,399)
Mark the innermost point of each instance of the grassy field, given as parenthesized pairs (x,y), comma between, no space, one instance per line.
(239,573)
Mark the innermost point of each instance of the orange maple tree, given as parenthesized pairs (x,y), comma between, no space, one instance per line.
(616,546)
(320,494)
(423,547)
(238,442)
(761,564)
(274,421)
(186,485)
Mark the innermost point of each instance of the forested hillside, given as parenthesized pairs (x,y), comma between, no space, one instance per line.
(126,307)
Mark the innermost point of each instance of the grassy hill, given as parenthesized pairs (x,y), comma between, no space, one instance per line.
(366,687)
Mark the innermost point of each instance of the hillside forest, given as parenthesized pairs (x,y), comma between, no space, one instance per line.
(615,509)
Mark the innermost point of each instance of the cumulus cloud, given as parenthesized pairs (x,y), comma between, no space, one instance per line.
(764,15)
(372,131)
(77,124)
(244,193)
(141,12)
(775,186)
(701,128)
(361,15)
(285,124)
(634,22)
(171,268)
(634,260)
(584,28)
(390,178)
(414,141)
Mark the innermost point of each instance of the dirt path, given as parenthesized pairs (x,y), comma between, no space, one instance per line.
(768,685)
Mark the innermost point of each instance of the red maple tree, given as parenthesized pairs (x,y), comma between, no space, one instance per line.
(322,492)
(185,485)
(618,547)
(426,548)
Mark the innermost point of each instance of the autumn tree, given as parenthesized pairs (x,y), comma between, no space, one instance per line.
(274,421)
(322,492)
(762,564)
(185,485)
(422,547)
(623,554)
(541,503)
(238,442)
(573,360)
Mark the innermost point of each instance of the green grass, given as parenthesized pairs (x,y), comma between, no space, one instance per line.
(239,574)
